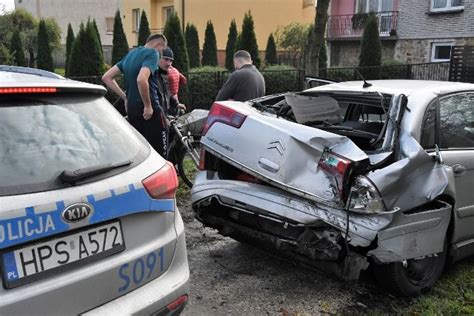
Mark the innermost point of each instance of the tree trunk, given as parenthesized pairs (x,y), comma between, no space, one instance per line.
(316,37)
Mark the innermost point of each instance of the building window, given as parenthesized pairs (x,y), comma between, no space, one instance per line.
(441,52)
(366,6)
(109,25)
(447,5)
(167,13)
(136,19)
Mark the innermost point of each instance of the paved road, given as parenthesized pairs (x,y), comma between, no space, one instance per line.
(231,278)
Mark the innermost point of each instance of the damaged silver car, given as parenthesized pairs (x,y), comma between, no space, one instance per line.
(347,175)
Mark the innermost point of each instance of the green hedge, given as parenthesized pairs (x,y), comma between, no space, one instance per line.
(281,78)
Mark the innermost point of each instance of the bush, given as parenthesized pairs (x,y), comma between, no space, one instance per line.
(86,55)
(176,42)
(192,44)
(248,39)
(371,50)
(5,57)
(340,74)
(270,52)
(203,85)
(45,57)
(230,46)
(144,30)
(395,70)
(281,78)
(16,49)
(119,41)
(209,50)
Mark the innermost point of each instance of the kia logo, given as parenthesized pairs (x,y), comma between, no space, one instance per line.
(77,212)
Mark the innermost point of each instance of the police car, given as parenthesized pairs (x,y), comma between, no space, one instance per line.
(88,216)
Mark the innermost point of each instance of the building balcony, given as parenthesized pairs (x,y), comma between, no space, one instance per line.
(352,26)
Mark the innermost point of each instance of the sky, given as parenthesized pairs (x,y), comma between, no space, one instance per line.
(9,4)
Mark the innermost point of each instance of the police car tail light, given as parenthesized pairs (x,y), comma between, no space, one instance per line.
(223,114)
(163,183)
(28,90)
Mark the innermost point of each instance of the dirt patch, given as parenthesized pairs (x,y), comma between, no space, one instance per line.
(231,278)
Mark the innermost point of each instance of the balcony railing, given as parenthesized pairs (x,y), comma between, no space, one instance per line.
(157,31)
(347,26)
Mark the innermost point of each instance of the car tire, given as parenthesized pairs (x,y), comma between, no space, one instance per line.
(412,278)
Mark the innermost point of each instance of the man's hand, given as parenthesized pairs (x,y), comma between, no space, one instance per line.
(181,106)
(147,112)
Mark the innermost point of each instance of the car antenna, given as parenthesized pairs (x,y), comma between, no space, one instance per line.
(366,84)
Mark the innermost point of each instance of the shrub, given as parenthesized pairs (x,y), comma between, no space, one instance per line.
(209,50)
(192,44)
(393,69)
(16,49)
(144,30)
(248,39)
(371,50)
(230,46)
(340,74)
(6,57)
(281,78)
(270,52)
(45,57)
(203,85)
(176,42)
(119,41)
(69,44)
(86,56)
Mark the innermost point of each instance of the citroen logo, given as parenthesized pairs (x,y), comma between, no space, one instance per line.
(278,145)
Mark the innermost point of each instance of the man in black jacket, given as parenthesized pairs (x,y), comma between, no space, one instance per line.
(246,83)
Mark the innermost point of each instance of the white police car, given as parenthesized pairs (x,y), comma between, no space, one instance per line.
(88,217)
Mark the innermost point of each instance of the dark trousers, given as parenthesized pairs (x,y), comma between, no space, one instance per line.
(155,130)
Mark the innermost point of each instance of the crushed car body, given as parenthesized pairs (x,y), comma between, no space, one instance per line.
(340,177)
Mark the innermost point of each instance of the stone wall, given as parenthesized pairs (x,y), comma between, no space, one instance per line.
(417,51)
(346,53)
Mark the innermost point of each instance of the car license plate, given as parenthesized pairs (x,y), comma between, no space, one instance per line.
(33,262)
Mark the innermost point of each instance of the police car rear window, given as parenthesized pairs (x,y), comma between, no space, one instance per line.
(41,136)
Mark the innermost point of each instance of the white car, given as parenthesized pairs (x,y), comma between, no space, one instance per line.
(347,175)
(88,216)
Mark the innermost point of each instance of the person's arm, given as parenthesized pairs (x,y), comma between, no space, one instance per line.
(144,89)
(227,91)
(109,80)
(182,79)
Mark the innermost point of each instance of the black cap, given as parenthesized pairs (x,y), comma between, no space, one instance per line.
(168,53)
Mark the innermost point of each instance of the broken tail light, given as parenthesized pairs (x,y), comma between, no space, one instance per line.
(364,197)
(202,160)
(336,166)
(163,183)
(223,114)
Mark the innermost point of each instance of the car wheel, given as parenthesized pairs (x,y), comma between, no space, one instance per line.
(412,277)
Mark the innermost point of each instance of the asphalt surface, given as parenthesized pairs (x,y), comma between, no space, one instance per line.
(231,278)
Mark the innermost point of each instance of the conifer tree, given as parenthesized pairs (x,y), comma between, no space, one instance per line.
(176,42)
(230,47)
(119,41)
(97,34)
(192,44)
(16,49)
(271,52)
(248,39)
(209,50)
(371,50)
(45,58)
(144,30)
(69,42)
(86,58)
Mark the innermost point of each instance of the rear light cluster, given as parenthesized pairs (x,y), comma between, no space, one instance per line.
(223,114)
(177,304)
(202,159)
(163,183)
(337,166)
(28,90)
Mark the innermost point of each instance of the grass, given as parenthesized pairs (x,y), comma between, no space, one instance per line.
(452,294)
(60,71)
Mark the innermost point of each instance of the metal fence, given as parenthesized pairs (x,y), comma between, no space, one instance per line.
(203,87)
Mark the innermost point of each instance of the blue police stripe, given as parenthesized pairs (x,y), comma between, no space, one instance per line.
(33,226)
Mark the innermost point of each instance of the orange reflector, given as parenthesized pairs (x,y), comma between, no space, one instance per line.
(28,90)
(177,303)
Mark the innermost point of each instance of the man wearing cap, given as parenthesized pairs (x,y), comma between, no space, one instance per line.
(245,83)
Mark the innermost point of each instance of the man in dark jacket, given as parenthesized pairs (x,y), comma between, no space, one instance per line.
(246,83)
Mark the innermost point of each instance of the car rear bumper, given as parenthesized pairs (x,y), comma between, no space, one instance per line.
(153,297)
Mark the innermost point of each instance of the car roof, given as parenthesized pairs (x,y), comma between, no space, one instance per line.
(22,77)
(407,87)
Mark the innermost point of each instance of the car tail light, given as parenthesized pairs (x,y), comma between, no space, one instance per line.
(28,90)
(335,165)
(245,177)
(202,160)
(177,303)
(365,198)
(223,114)
(163,183)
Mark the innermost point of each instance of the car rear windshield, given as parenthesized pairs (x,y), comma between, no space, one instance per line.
(41,136)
